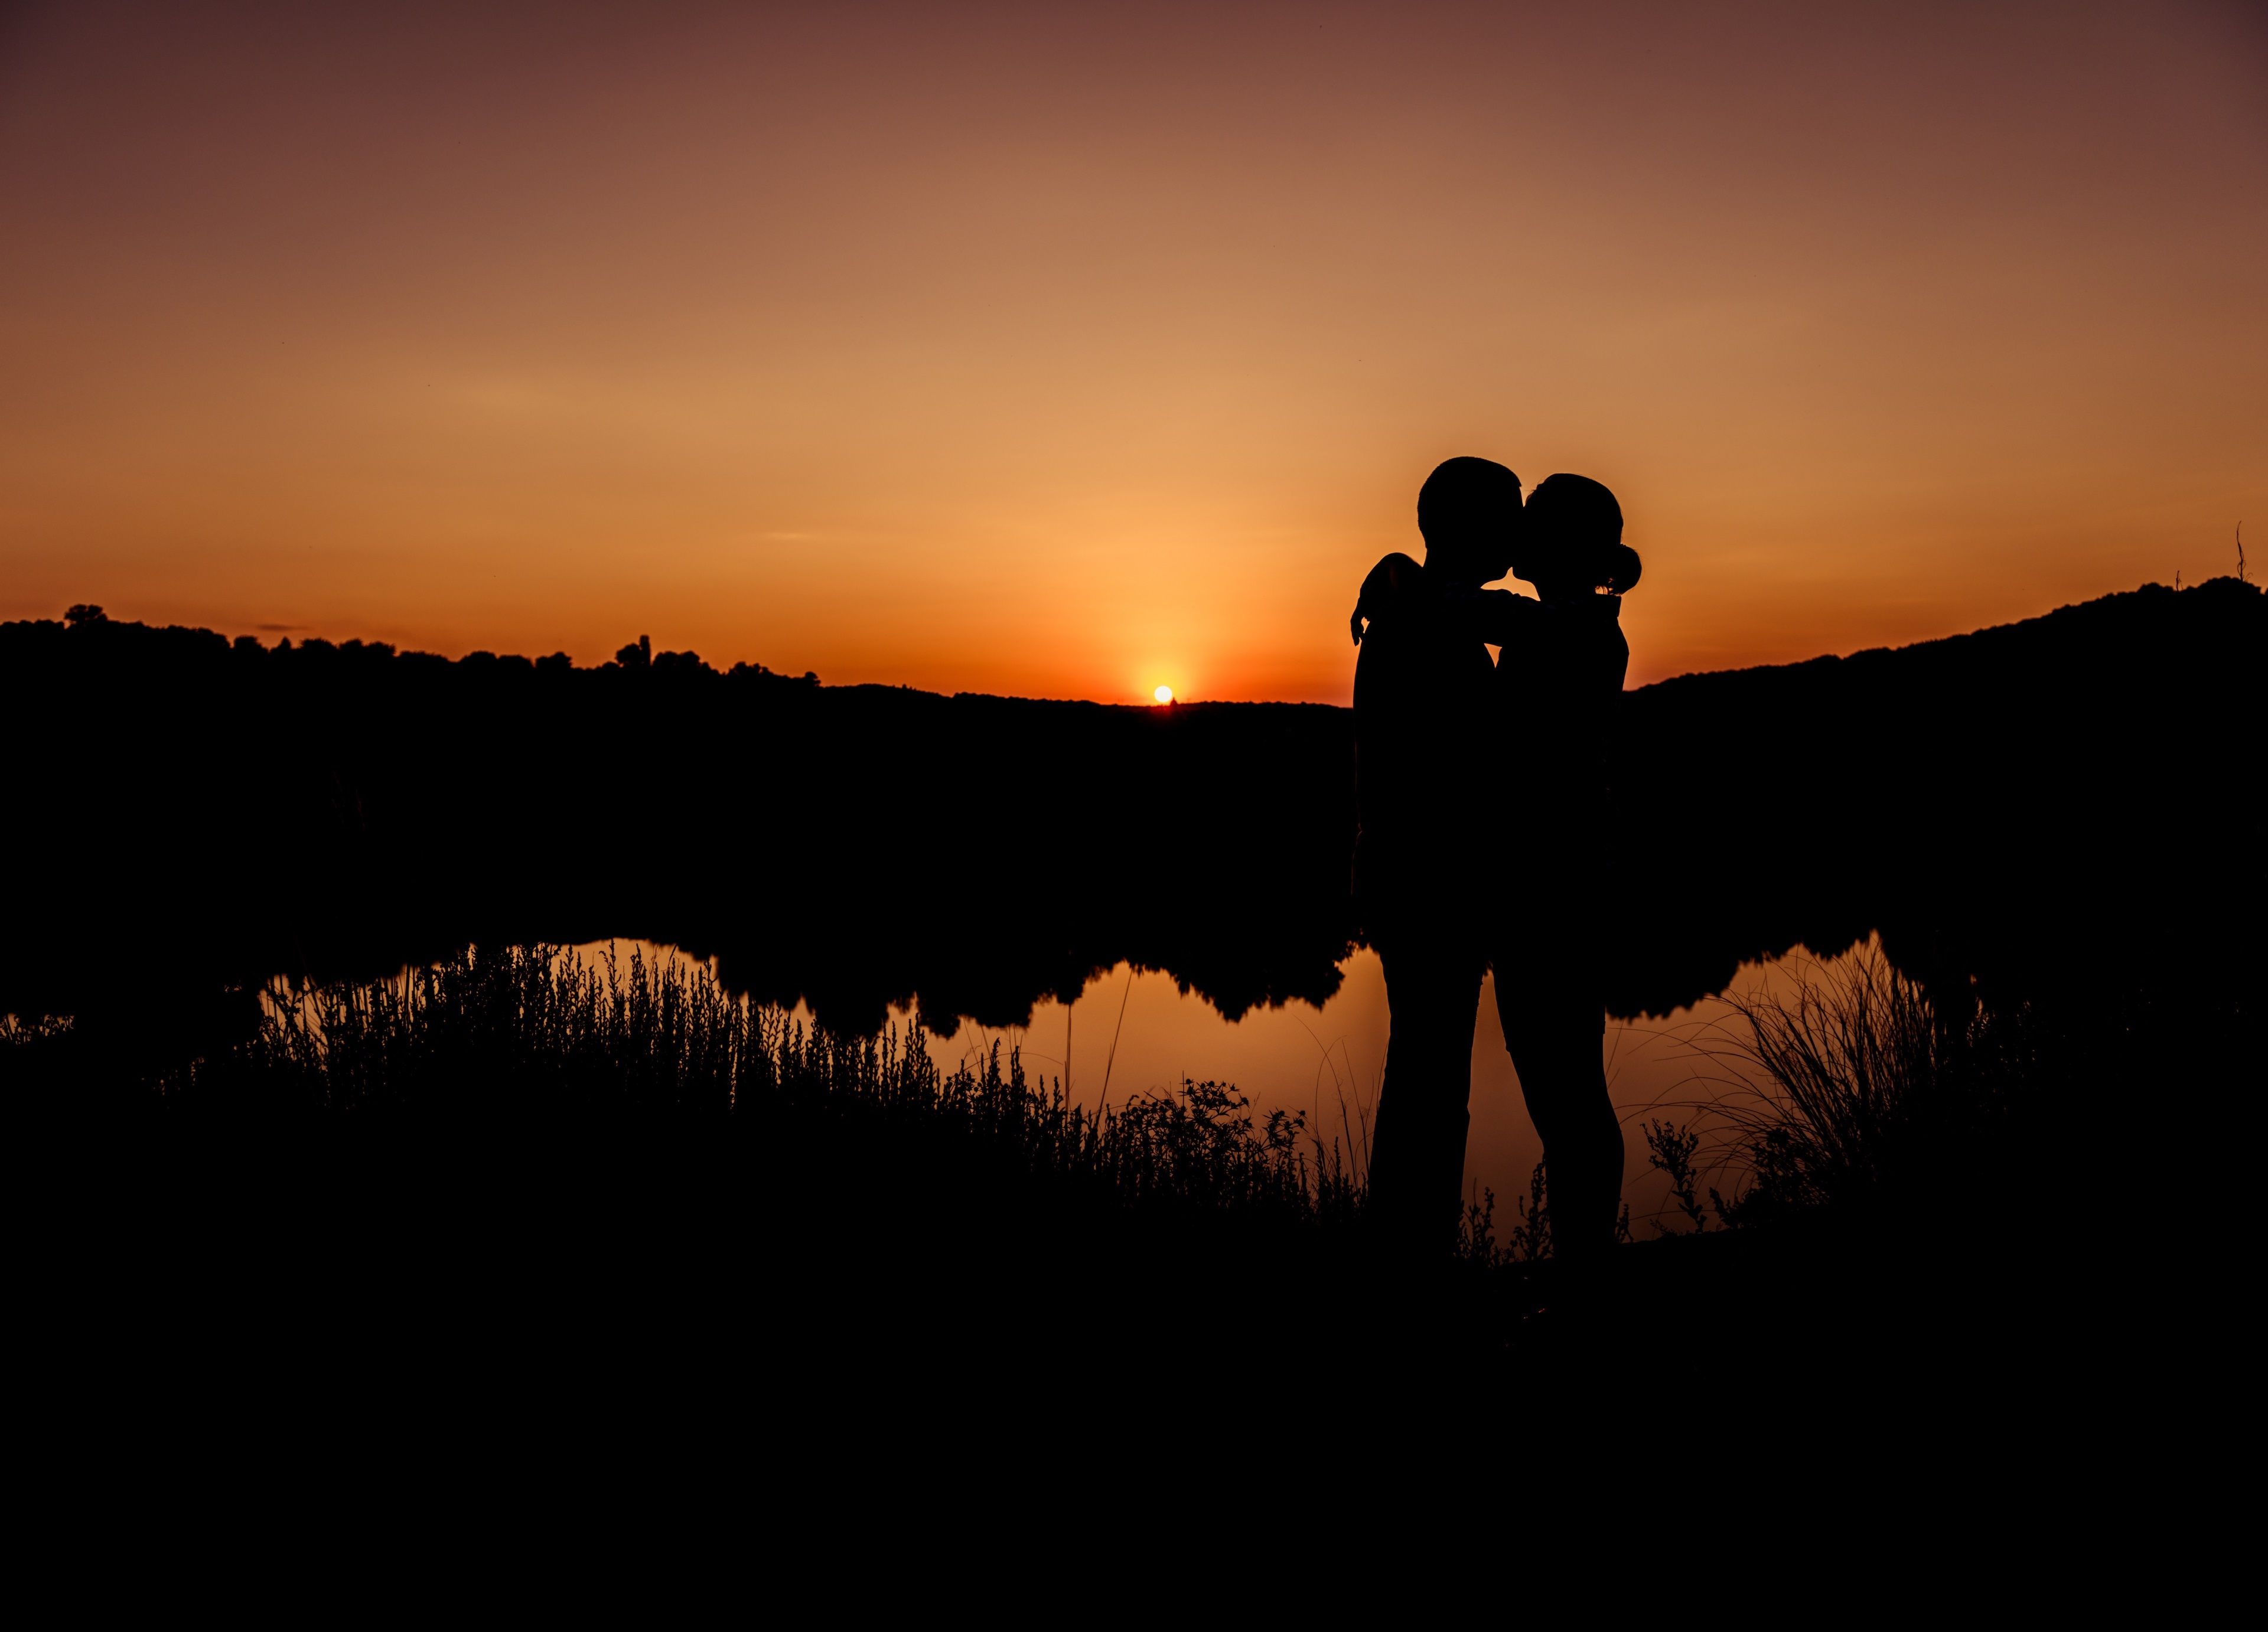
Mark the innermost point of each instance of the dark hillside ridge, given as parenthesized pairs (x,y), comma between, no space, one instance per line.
(216,809)
(188,811)
(2070,798)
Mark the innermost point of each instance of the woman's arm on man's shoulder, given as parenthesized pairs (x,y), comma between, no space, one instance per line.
(1496,615)
(1394,577)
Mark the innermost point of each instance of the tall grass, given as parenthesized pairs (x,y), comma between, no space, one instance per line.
(1853,1089)
(540,1037)
(1859,1090)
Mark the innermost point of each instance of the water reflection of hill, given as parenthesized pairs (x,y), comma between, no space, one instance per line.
(2065,798)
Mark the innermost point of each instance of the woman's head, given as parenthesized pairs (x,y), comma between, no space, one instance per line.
(1572,538)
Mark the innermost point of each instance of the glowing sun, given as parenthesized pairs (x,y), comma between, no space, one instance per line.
(1164,694)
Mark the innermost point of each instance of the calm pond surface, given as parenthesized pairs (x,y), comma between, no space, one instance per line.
(1133,1032)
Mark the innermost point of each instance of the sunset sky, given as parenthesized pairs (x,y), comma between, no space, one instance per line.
(1073,350)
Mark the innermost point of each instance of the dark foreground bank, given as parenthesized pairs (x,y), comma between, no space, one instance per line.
(517,1176)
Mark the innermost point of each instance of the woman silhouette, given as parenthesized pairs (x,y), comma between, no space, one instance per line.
(1558,672)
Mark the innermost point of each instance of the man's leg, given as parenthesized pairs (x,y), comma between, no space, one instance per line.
(1418,1148)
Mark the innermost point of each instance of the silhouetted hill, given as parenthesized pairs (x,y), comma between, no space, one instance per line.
(222,808)
(2067,798)
(2064,798)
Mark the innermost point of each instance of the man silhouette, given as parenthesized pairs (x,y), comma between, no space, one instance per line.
(1421,698)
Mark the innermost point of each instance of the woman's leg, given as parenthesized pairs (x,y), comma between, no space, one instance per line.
(1556,1034)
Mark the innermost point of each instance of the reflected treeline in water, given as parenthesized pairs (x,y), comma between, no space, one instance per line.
(2060,805)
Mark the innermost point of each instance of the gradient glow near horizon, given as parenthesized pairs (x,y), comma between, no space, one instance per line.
(1084,351)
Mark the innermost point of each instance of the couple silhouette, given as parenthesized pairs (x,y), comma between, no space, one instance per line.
(1480,792)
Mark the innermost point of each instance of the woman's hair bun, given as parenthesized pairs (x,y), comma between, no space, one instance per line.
(1617,568)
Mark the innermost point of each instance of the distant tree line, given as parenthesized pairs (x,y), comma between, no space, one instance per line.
(2061,804)
(191,802)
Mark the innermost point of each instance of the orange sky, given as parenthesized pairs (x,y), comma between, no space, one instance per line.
(1069,351)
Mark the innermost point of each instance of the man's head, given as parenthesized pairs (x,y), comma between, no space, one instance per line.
(1468,510)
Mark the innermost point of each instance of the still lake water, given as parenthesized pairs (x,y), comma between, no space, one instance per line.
(1136,1031)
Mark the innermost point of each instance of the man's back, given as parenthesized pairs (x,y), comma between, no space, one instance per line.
(1421,691)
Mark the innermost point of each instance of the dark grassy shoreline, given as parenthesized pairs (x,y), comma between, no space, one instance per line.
(513,1147)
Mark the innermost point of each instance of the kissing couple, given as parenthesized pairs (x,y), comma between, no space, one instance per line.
(1481,798)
